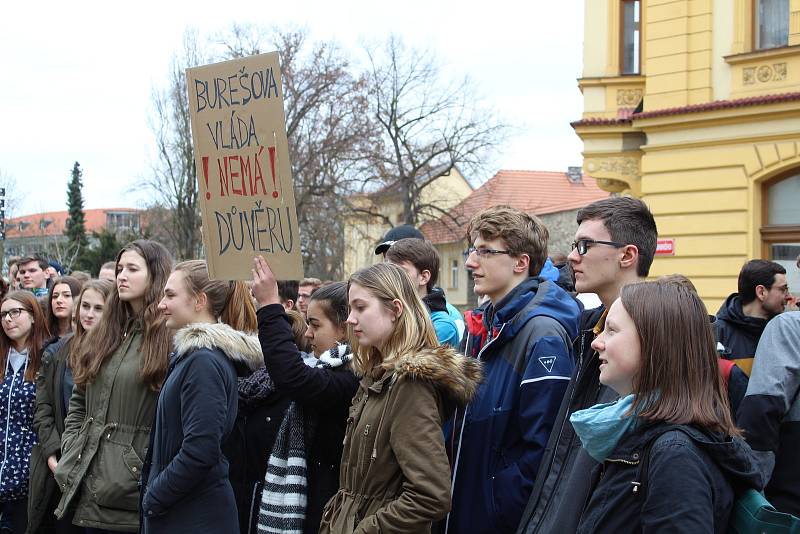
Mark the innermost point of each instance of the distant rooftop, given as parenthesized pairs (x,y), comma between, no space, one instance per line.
(536,192)
(53,223)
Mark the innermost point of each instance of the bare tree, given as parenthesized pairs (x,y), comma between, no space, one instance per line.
(173,180)
(330,133)
(428,126)
(13,193)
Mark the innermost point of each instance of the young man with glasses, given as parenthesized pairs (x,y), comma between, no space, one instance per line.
(763,294)
(523,337)
(614,246)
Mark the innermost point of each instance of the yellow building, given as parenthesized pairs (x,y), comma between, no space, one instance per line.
(694,106)
(375,213)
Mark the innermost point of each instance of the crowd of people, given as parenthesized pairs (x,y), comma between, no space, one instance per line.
(156,399)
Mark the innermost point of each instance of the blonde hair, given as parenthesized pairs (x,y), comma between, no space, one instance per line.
(413,329)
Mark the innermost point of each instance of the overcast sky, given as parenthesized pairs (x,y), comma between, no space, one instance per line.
(77,77)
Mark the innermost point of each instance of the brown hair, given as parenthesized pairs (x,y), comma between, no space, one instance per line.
(74,288)
(413,330)
(677,279)
(628,221)
(316,282)
(230,302)
(418,253)
(39,332)
(522,233)
(104,287)
(679,380)
(104,339)
(333,299)
(299,327)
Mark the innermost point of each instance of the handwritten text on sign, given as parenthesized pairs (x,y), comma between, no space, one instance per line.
(241,153)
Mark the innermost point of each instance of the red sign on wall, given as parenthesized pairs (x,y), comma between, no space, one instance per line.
(665,247)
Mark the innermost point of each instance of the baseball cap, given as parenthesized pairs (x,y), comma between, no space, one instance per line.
(404,231)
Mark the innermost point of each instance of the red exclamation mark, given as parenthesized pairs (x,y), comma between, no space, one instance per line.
(205,175)
(272,167)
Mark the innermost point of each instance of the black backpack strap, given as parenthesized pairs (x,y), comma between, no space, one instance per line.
(640,482)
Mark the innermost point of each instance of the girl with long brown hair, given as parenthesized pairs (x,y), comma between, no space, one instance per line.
(118,369)
(24,330)
(60,305)
(669,453)
(53,391)
(185,486)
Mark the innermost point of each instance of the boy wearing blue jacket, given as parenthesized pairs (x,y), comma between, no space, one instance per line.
(420,260)
(524,339)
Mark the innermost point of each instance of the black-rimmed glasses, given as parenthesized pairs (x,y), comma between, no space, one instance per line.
(13,313)
(583,245)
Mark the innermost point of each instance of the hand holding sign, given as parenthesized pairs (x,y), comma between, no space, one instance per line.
(242,155)
(265,286)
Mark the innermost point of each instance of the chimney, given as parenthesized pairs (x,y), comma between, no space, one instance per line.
(575,174)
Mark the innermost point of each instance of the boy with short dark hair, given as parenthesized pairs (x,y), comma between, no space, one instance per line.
(523,337)
(287,292)
(34,275)
(614,245)
(420,260)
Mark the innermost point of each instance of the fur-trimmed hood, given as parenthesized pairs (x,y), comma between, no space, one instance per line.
(456,374)
(238,346)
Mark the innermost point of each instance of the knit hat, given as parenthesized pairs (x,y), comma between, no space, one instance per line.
(404,231)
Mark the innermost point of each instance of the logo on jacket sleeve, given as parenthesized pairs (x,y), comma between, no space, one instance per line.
(547,362)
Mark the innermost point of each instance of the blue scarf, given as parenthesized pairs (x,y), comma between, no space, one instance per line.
(602,426)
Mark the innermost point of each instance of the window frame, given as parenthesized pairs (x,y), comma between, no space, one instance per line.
(638,71)
(776,233)
(754,35)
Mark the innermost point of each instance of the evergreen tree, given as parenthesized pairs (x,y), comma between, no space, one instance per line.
(76,227)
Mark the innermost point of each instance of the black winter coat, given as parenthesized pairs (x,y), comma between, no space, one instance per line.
(562,484)
(325,395)
(690,482)
(48,421)
(186,475)
(248,449)
(737,333)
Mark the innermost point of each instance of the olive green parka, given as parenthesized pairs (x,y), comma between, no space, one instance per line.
(104,442)
(395,475)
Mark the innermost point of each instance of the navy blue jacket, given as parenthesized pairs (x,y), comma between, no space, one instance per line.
(186,475)
(497,444)
(688,483)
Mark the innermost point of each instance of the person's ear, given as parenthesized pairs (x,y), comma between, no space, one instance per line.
(424,277)
(201,302)
(397,306)
(630,257)
(522,264)
(761,292)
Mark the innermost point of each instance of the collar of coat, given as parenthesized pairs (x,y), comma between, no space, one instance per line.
(442,366)
(237,346)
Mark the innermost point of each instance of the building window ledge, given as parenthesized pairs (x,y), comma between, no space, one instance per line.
(760,55)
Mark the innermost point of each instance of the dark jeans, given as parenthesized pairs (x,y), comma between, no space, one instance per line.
(14,516)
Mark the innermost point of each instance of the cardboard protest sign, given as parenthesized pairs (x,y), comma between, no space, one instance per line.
(243,169)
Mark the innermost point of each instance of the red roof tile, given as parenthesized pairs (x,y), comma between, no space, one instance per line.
(95,220)
(537,192)
(694,108)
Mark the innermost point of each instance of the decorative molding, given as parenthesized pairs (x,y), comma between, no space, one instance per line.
(629,97)
(764,73)
(623,166)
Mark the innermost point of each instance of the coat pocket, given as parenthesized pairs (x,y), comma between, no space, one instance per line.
(114,478)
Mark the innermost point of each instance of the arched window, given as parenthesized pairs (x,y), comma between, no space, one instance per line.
(781,230)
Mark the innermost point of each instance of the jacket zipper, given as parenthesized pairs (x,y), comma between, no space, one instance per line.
(461,431)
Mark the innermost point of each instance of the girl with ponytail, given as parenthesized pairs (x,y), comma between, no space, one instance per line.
(185,483)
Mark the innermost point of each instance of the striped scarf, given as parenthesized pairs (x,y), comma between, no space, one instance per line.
(283,501)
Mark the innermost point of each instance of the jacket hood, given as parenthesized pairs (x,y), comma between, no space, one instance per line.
(454,373)
(731,311)
(239,347)
(435,300)
(732,456)
(531,298)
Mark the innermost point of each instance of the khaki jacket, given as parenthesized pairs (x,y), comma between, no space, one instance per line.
(395,475)
(104,442)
